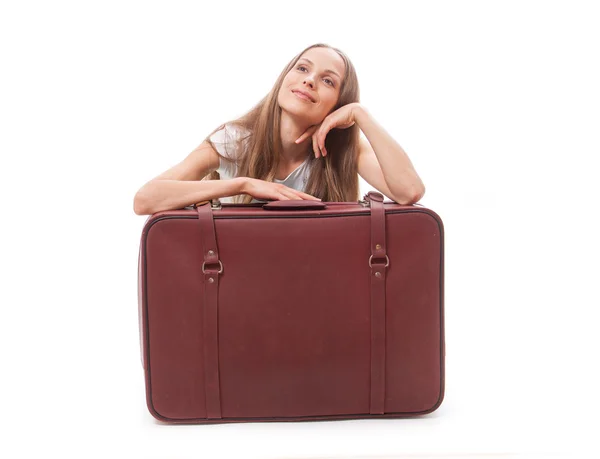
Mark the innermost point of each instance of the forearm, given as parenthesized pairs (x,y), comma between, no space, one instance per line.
(159,195)
(397,168)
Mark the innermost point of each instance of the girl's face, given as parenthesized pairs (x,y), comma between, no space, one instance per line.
(319,73)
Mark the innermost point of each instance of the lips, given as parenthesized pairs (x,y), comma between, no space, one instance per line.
(306,95)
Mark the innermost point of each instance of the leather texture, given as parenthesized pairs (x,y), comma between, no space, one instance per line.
(292,311)
(294,204)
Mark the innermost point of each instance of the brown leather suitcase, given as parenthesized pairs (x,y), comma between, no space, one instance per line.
(292,311)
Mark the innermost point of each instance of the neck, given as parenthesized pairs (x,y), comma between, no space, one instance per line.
(291,129)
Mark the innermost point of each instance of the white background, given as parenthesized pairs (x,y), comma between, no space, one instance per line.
(497,105)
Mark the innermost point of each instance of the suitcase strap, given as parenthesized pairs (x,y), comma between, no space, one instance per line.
(211,290)
(378,262)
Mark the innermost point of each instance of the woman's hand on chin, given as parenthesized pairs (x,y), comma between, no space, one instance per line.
(342,118)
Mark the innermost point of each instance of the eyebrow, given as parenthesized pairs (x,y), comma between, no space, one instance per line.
(328,70)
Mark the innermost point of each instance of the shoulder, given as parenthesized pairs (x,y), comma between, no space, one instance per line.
(227,140)
(229,133)
(233,130)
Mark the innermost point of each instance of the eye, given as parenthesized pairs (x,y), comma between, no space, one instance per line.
(328,79)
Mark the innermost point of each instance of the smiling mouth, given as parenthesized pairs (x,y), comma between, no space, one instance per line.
(302,96)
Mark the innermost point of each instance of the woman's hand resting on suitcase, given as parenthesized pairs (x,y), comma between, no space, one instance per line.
(261,189)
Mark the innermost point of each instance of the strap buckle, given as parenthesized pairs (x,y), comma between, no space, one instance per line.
(387,261)
(215,204)
(220,269)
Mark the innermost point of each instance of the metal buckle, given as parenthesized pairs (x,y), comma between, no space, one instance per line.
(215,204)
(220,271)
(387,261)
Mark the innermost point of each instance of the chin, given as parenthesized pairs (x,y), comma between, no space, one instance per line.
(294,109)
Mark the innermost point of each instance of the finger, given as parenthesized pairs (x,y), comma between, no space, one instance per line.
(321,139)
(299,196)
(302,138)
(315,146)
(306,134)
(289,193)
(306,196)
(310,197)
(295,194)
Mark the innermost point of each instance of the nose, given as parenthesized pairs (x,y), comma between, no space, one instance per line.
(310,81)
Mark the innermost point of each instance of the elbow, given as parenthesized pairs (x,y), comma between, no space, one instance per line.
(418,195)
(140,205)
(408,199)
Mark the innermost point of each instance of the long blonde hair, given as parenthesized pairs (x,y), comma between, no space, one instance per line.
(333,177)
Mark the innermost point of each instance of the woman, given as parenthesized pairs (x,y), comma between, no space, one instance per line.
(302,141)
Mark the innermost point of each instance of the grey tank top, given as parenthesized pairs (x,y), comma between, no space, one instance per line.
(227,142)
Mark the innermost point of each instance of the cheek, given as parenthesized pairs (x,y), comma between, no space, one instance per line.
(331,101)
